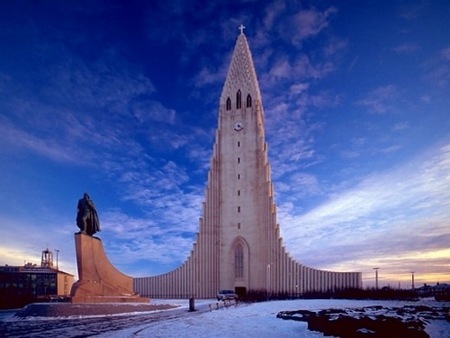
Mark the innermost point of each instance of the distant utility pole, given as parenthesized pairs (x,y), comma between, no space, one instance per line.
(412,280)
(57,254)
(376,277)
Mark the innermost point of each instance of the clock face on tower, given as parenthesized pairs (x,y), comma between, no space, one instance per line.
(238,126)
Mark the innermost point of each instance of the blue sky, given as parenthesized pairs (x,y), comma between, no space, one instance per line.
(121,101)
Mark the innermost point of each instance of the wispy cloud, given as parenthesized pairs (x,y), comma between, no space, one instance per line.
(300,69)
(287,78)
(148,111)
(391,149)
(400,213)
(406,48)
(20,139)
(164,236)
(299,185)
(380,100)
(309,23)
(445,54)
(437,69)
(293,26)
(401,126)
(79,109)
(335,46)
(412,11)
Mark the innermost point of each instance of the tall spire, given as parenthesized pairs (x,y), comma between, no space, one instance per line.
(241,74)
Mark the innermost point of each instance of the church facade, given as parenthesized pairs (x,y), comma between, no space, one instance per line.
(238,246)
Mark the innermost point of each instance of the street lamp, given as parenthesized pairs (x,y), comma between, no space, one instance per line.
(376,277)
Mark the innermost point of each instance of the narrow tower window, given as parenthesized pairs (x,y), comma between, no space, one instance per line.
(249,101)
(239,143)
(228,104)
(239,261)
(238,99)
(239,209)
(239,160)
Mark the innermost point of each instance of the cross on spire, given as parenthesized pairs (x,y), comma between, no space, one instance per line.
(241,28)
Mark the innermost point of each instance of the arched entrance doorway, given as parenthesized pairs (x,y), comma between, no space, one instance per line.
(240,266)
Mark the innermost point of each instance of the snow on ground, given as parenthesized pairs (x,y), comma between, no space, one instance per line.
(258,320)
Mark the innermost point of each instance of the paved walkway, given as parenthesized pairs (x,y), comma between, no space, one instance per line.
(76,326)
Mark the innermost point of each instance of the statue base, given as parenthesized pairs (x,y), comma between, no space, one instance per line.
(100,281)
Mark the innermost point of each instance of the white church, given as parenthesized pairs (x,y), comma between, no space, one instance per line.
(238,246)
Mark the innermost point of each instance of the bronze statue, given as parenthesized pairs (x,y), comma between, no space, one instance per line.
(87,217)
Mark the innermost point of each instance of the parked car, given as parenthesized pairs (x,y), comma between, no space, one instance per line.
(226,294)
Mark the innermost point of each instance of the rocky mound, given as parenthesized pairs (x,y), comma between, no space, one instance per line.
(375,321)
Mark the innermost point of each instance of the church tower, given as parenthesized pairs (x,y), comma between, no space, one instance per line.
(247,216)
(238,245)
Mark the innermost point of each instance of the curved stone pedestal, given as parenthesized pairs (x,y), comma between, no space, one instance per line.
(100,281)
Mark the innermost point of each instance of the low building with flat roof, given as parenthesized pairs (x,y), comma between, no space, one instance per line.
(21,285)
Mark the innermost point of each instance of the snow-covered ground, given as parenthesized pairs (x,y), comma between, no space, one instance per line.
(244,320)
(259,320)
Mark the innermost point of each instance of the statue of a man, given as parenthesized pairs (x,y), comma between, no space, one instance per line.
(87,217)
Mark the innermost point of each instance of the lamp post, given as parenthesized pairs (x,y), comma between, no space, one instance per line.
(412,280)
(376,277)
